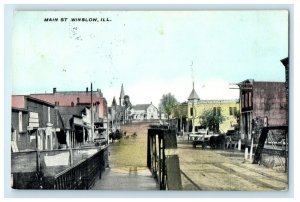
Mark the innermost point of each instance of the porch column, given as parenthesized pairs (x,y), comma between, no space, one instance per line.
(68,139)
(83,134)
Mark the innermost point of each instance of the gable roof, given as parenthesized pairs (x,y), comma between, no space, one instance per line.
(76,110)
(19,101)
(141,106)
(67,114)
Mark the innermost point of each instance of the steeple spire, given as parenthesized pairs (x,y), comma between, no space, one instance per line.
(121,98)
(114,103)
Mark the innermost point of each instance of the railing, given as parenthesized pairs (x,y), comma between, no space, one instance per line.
(58,169)
(274,150)
(165,168)
(82,175)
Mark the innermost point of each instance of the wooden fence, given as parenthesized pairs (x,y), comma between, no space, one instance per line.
(164,167)
(58,169)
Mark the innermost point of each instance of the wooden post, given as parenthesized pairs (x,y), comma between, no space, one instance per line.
(92,115)
(251,149)
(148,151)
(246,153)
(286,152)
(71,156)
(159,162)
(83,134)
(37,153)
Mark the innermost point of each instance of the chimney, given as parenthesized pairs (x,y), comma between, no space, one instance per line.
(54,90)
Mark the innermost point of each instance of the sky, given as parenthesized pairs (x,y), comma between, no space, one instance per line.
(150,52)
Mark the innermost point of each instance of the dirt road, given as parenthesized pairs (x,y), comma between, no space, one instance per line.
(216,170)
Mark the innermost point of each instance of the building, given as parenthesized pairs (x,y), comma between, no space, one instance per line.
(190,113)
(77,125)
(142,112)
(285,62)
(119,114)
(262,104)
(75,98)
(35,124)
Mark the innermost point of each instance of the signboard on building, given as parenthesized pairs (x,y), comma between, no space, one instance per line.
(33,120)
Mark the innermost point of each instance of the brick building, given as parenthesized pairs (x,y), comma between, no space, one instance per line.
(75,98)
(261,102)
(285,62)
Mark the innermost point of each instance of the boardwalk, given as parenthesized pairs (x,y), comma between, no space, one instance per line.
(126,178)
(127,165)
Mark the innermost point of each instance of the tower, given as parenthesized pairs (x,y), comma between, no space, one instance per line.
(121,98)
(193,98)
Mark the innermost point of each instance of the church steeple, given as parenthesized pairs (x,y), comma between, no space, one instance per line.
(114,103)
(121,98)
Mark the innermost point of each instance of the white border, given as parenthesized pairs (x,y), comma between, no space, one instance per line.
(118,5)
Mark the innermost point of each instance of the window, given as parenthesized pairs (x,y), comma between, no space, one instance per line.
(78,100)
(217,110)
(72,104)
(191,111)
(232,111)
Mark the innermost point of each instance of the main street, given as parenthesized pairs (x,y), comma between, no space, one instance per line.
(210,170)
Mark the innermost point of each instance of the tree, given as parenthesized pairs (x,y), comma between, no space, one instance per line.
(237,116)
(167,104)
(212,119)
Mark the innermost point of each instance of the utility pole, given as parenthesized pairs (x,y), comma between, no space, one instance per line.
(92,114)
(193,128)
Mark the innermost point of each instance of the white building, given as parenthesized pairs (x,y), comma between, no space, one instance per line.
(144,112)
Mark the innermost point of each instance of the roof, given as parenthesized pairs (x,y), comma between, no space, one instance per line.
(67,113)
(19,109)
(193,95)
(141,106)
(285,61)
(66,121)
(219,101)
(76,110)
(66,98)
(19,101)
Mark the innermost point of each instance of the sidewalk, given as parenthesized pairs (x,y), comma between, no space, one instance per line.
(126,178)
